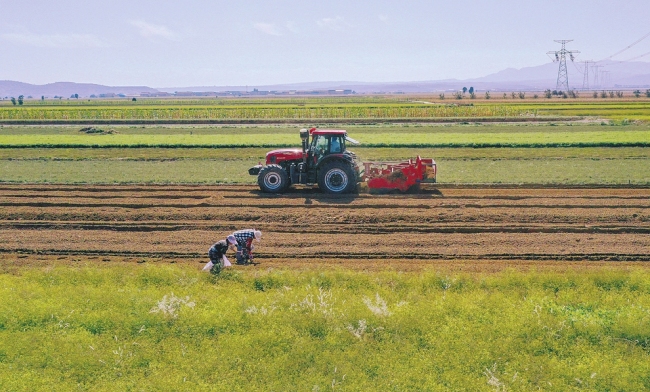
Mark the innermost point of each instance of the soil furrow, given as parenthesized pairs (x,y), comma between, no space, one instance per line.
(484,224)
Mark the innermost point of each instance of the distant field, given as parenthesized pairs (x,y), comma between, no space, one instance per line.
(222,112)
(396,136)
(331,108)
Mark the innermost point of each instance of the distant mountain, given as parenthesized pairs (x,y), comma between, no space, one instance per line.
(10,88)
(619,75)
(623,75)
(541,77)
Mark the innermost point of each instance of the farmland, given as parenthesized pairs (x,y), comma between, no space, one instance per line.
(524,268)
(461,283)
(564,153)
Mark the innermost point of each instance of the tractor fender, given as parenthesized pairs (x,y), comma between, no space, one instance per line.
(331,158)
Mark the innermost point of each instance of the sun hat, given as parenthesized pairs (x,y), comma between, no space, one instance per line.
(232,239)
(258,234)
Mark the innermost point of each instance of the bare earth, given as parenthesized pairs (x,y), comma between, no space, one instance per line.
(455,228)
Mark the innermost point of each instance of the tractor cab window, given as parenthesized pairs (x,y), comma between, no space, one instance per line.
(328,144)
(336,145)
(320,145)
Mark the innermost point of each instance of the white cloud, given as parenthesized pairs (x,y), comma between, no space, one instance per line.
(267,28)
(336,24)
(291,26)
(55,40)
(149,30)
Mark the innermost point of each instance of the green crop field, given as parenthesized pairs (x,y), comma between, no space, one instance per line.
(431,136)
(312,109)
(573,171)
(350,111)
(89,326)
(163,154)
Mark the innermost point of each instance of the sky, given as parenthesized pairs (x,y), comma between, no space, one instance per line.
(165,43)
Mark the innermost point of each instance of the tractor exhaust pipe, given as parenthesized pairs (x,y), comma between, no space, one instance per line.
(304,137)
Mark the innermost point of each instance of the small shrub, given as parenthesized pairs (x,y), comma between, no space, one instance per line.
(170,305)
(378,307)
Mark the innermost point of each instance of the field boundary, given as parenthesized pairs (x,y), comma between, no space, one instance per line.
(352,256)
(366,145)
(427,189)
(297,121)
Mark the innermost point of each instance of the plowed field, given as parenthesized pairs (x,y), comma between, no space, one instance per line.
(460,227)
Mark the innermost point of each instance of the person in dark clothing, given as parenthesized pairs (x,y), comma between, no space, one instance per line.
(217,254)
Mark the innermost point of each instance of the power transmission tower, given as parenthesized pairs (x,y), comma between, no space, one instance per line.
(585,79)
(562,74)
(596,71)
(606,79)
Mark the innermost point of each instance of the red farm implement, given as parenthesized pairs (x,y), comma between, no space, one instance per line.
(387,176)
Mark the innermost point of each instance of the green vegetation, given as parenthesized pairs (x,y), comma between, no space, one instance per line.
(209,171)
(305,112)
(319,108)
(156,327)
(115,163)
(395,136)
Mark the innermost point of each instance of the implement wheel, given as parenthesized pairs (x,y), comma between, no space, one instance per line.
(337,177)
(273,179)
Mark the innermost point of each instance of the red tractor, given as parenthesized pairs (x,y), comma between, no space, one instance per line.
(326,161)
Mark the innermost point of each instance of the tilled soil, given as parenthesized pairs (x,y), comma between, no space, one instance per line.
(472,228)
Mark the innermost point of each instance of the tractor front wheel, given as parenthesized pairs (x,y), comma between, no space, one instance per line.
(336,177)
(273,179)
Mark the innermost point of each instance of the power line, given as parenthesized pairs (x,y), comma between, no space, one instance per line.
(626,48)
(560,56)
(635,58)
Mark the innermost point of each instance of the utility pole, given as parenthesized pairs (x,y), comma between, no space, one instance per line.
(585,73)
(560,56)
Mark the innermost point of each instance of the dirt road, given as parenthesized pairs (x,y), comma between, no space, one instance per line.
(472,227)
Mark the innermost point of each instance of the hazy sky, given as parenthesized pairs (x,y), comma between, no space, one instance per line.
(252,42)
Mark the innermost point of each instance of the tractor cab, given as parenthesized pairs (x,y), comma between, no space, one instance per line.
(327,142)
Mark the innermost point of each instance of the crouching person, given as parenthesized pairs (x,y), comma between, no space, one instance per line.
(217,254)
(245,246)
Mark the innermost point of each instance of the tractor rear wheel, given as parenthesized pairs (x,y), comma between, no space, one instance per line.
(337,177)
(273,179)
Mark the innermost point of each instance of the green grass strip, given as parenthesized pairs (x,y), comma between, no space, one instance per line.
(606,138)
